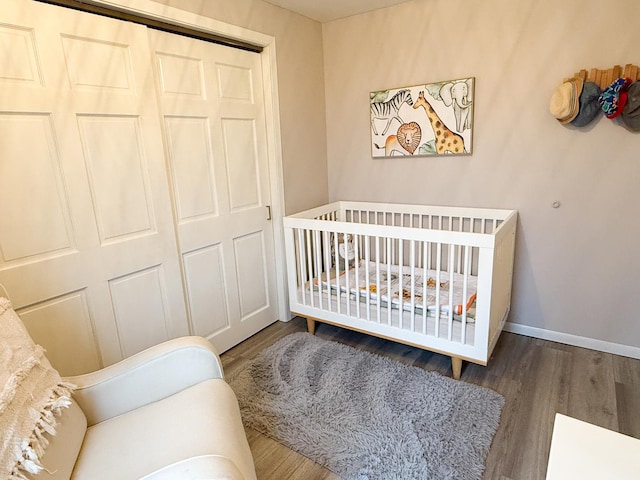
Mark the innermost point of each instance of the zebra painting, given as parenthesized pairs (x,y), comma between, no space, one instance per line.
(389,110)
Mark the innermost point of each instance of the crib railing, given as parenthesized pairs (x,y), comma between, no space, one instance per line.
(438,221)
(451,219)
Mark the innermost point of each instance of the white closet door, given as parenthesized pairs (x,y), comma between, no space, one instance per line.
(87,241)
(212,104)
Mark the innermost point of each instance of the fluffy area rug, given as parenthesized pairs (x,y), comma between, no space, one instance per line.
(364,416)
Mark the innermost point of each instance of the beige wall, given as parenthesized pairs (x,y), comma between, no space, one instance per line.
(576,266)
(300,89)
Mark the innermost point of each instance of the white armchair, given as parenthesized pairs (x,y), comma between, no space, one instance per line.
(165,413)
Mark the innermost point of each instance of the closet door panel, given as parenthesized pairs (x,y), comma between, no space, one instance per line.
(41,207)
(115,71)
(118,177)
(180,75)
(207,290)
(17,46)
(241,163)
(141,324)
(251,273)
(194,186)
(64,320)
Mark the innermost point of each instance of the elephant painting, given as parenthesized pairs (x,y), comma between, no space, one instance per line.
(459,93)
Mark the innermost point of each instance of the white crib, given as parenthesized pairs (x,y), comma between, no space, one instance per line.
(438,278)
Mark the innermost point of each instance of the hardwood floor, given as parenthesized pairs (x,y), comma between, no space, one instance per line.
(538,378)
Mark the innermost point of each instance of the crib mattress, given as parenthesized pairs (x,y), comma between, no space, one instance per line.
(391,284)
(443,328)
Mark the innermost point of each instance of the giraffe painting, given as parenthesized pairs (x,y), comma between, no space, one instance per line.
(446,140)
(433,109)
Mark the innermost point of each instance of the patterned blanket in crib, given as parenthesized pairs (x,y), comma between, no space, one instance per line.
(382,282)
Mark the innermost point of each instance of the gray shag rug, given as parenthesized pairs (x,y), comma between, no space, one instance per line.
(364,416)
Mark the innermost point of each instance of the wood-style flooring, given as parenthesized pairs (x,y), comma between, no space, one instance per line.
(538,378)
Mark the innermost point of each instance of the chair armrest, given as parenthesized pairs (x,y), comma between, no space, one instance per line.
(151,375)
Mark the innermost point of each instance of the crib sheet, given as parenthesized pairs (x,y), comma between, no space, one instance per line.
(382,282)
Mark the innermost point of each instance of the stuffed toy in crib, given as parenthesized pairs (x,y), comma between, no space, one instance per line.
(346,250)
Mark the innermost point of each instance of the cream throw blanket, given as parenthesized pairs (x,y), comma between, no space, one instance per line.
(31,395)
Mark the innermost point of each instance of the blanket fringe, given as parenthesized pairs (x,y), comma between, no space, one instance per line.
(33,449)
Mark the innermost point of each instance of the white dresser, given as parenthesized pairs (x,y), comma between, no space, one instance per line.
(580,450)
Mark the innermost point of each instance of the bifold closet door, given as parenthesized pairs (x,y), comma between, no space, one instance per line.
(211,99)
(88,250)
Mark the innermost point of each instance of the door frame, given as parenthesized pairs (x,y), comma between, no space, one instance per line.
(175,16)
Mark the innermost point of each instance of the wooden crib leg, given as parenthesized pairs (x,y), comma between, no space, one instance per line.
(311,326)
(456,366)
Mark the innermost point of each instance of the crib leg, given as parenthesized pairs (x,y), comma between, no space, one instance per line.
(311,326)
(456,366)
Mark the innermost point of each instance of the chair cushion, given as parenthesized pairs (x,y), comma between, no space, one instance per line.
(203,420)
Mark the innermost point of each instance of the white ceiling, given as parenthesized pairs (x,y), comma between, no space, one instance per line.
(328,10)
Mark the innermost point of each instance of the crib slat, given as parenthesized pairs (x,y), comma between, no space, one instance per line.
(367,259)
(309,265)
(346,277)
(336,260)
(400,283)
(347,273)
(393,244)
(317,263)
(425,284)
(451,281)
(421,225)
(378,301)
(412,261)
(459,247)
(326,244)
(388,263)
(304,278)
(356,243)
(438,270)
(465,295)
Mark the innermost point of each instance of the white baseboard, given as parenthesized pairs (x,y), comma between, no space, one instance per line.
(575,340)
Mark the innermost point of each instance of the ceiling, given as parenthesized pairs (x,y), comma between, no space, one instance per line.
(328,10)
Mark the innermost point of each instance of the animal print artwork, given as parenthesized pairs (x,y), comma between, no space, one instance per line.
(428,119)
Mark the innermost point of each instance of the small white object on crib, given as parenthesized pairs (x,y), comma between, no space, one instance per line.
(580,450)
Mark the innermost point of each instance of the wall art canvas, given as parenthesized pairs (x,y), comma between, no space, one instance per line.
(428,119)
